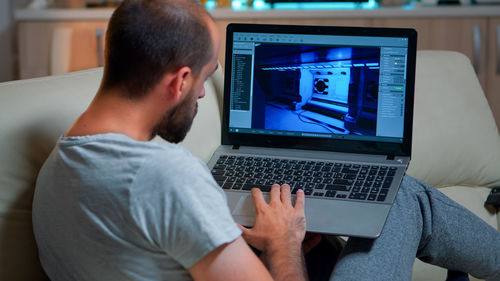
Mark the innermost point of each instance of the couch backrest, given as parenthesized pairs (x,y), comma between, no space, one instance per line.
(455,137)
(33,114)
(456,141)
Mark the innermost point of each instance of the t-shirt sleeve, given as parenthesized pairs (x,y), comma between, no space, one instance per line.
(180,208)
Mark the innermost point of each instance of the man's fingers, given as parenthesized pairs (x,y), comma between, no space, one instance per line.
(242,228)
(274,194)
(258,199)
(300,200)
(286,195)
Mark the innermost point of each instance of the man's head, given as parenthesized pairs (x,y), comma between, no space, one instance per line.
(148,38)
(153,41)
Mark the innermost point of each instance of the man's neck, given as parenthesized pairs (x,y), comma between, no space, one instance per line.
(111,113)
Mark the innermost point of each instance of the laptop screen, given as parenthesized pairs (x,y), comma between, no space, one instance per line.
(337,84)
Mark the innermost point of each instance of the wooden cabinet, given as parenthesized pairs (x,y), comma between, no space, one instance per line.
(48,48)
(493,68)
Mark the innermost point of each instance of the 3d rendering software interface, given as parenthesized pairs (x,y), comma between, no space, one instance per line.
(326,86)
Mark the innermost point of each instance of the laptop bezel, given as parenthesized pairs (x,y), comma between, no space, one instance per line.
(325,144)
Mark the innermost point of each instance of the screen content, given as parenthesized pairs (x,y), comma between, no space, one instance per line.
(323,86)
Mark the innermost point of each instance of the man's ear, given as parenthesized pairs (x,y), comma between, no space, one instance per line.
(179,82)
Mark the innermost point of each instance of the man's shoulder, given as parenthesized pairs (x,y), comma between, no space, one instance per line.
(121,146)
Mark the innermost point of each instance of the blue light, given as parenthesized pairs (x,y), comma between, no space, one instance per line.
(261,5)
(210,4)
(371,4)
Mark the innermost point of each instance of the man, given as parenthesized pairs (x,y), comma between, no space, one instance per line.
(110,205)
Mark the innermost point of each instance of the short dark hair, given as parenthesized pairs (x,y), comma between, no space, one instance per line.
(148,38)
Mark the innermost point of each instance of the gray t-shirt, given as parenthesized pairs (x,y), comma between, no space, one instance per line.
(107,207)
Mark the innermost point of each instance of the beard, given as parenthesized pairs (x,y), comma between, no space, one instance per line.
(176,123)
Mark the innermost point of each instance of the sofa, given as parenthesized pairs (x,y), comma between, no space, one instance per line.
(456,145)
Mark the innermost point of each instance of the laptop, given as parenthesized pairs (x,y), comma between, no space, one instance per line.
(325,109)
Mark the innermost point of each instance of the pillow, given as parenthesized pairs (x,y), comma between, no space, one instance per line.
(33,114)
(455,137)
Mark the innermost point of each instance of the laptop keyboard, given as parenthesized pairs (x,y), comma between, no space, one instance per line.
(326,179)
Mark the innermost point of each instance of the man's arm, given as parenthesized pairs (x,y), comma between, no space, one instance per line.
(232,261)
(278,232)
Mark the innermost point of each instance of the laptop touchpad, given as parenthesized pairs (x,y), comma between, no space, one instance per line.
(244,207)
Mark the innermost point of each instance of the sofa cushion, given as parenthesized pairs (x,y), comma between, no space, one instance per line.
(455,138)
(33,114)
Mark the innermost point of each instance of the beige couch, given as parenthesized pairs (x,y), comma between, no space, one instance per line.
(456,144)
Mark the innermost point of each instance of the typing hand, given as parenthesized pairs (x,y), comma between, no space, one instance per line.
(278,224)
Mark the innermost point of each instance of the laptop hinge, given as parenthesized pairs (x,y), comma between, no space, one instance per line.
(390,157)
(236,146)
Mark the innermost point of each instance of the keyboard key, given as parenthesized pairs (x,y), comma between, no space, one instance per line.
(261,187)
(251,180)
(220,178)
(227,185)
(217,172)
(350,171)
(330,193)
(237,186)
(343,181)
(350,176)
(358,196)
(319,194)
(310,185)
(337,187)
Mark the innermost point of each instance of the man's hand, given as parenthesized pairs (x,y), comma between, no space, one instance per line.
(278,232)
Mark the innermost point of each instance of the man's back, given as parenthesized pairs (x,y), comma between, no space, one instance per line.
(107,207)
